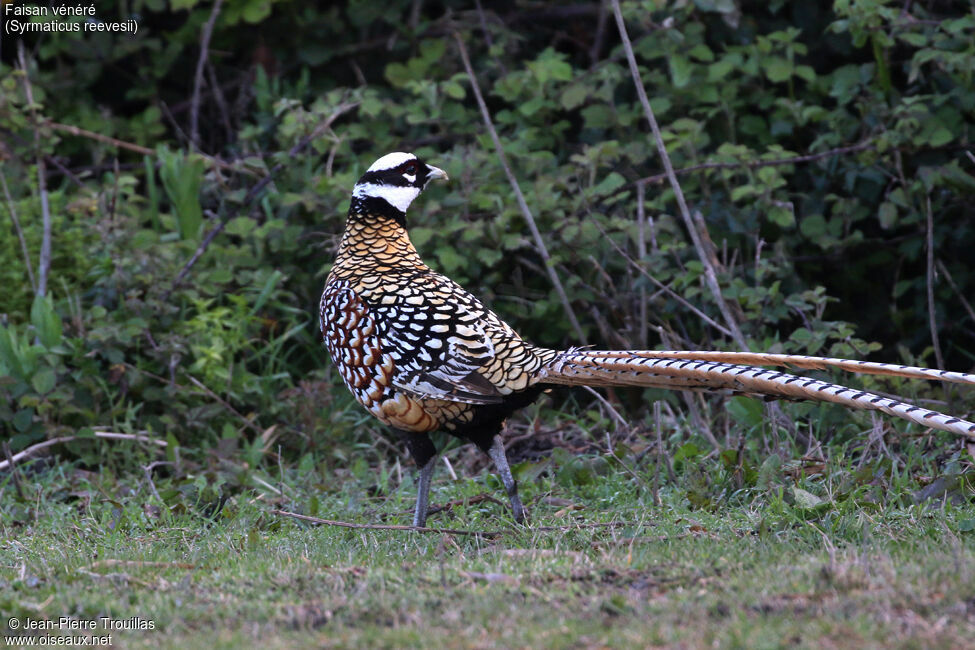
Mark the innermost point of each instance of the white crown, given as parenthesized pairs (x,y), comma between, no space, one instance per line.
(391,161)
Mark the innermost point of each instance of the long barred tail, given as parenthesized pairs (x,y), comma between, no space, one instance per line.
(638,368)
(809,363)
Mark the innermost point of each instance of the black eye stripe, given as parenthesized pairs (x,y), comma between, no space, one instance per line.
(393,175)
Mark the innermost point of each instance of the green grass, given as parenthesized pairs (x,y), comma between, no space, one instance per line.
(841,559)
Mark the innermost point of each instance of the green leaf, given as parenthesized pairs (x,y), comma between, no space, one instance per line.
(454,90)
(746,410)
(805,72)
(574,96)
(782,215)
(768,473)
(938,135)
(450,259)
(182,177)
(398,74)
(777,69)
(887,214)
(806,500)
(744,191)
(23,419)
(701,52)
(685,452)
(43,381)
(598,116)
(46,322)
(914,39)
(720,69)
(256,10)
(813,226)
(550,66)
(680,70)
(612,182)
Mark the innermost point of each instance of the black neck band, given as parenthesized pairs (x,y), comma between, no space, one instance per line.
(374,208)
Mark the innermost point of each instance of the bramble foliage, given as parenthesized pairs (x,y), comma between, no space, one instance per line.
(813,254)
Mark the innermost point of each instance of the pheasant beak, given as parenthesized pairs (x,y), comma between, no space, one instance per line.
(436,172)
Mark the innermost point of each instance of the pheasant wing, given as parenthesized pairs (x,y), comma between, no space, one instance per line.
(435,335)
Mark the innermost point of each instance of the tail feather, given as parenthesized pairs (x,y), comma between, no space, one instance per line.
(612,368)
(806,362)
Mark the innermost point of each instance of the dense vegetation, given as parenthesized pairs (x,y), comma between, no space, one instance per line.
(811,254)
(194,197)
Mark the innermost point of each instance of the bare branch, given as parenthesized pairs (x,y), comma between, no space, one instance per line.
(44,263)
(641,250)
(755,164)
(198,79)
(91,135)
(663,287)
(519,197)
(710,275)
(109,435)
(932,320)
(951,282)
(221,101)
(20,233)
(130,146)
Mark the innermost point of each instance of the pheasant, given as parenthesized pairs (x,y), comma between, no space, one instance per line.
(422,354)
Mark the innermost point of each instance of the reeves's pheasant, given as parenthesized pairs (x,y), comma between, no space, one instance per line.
(422,354)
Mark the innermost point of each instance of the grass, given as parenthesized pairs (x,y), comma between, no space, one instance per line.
(843,558)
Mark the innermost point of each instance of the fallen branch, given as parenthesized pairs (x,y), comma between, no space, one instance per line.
(102,564)
(346,524)
(109,435)
(480,498)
